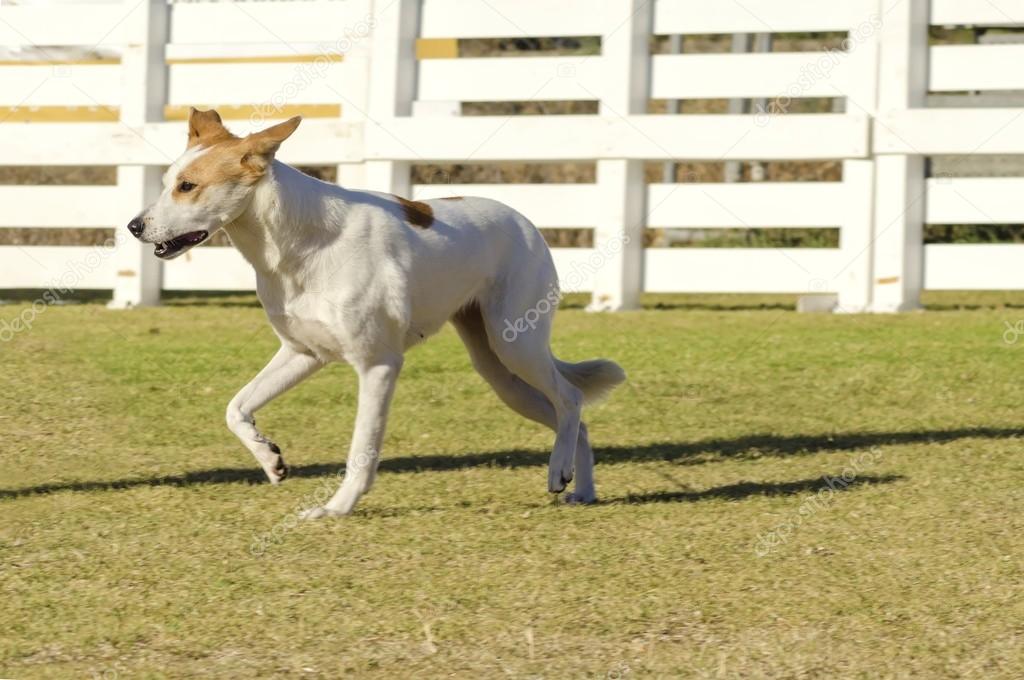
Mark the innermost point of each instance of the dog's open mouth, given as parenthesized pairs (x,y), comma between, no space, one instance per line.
(179,244)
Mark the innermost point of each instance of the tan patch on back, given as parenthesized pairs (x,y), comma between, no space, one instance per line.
(452,198)
(416,213)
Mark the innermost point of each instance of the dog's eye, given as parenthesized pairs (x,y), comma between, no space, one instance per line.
(185,187)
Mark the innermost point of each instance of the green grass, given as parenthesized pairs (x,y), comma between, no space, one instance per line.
(129,511)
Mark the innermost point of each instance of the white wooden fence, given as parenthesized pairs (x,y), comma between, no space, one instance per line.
(374,108)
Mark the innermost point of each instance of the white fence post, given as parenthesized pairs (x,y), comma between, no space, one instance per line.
(854,283)
(354,109)
(143,94)
(392,84)
(355,90)
(619,232)
(900,179)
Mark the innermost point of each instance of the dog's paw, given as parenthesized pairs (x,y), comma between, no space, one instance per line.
(270,459)
(319,513)
(558,478)
(578,498)
(278,472)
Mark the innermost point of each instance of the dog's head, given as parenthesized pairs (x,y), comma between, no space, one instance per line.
(210,185)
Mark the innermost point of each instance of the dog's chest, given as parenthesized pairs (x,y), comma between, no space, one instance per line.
(309,333)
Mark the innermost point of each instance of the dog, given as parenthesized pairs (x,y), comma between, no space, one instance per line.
(362,277)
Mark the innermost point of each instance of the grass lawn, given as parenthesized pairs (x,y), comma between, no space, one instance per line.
(138,538)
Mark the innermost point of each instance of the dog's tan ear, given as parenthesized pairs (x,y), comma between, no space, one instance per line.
(206,128)
(266,142)
(261,146)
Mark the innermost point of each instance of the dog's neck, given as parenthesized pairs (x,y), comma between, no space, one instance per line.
(290,217)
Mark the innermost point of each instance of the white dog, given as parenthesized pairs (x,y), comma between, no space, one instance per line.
(362,277)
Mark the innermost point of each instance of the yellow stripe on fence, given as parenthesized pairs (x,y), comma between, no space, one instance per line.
(111,114)
(437,48)
(98,61)
(248,111)
(59,114)
(281,59)
(114,61)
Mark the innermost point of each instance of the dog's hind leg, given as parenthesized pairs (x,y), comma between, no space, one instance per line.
(286,370)
(376,387)
(534,364)
(525,400)
(528,356)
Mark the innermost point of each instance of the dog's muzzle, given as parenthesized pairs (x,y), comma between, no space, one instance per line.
(136,227)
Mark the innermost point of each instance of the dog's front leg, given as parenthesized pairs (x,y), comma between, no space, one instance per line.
(286,370)
(376,386)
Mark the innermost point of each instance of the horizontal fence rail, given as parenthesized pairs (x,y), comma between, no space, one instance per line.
(556,138)
(383,87)
(695,17)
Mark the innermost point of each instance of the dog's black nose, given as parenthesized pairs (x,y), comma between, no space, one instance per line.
(136,226)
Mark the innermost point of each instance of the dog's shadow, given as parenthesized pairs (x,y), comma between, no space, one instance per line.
(682,453)
(741,490)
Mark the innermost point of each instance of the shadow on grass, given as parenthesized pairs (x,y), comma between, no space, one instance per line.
(750,447)
(705,302)
(208,299)
(78,296)
(743,490)
(168,298)
(701,452)
(722,306)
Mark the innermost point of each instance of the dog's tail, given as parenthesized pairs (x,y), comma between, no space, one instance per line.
(595,378)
